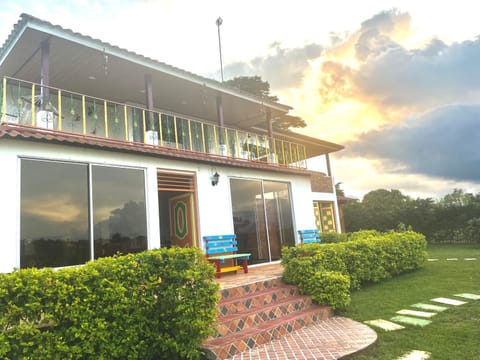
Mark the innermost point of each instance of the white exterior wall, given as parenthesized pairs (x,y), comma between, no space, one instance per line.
(213,202)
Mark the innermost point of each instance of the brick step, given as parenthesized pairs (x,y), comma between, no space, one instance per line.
(241,321)
(257,299)
(251,288)
(232,344)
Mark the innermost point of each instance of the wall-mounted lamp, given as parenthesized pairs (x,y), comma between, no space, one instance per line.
(215,178)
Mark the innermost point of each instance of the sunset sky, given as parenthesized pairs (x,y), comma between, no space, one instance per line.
(396,82)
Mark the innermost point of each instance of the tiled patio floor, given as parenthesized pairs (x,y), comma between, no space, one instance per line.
(256,273)
(329,339)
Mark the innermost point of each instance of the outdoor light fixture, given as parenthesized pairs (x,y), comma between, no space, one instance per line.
(215,178)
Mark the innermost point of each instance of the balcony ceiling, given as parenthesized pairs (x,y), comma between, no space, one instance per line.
(83,65)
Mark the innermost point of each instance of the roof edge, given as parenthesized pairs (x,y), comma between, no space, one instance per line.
(27,20)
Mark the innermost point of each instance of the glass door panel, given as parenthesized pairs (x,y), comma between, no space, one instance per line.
(249,218)
(279,217)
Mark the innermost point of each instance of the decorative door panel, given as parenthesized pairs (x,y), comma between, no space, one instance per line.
(182,220)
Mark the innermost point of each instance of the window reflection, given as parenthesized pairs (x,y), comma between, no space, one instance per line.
(119,215)
(54,214)
(54,223)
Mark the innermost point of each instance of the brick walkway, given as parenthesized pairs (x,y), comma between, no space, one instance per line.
(329,339)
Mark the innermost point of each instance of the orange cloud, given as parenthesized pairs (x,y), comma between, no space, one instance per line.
(58,209)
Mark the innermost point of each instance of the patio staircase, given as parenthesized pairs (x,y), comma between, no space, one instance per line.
(259,312)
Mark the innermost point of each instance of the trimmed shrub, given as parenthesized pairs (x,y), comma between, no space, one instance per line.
(155,304)
(332,237)
(367,257)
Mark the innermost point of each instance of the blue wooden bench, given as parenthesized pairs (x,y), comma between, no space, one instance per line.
(224,247)
(309,236)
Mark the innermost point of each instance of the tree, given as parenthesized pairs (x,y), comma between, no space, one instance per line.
(253,85)
(256,86)
(380,210)
(455,218)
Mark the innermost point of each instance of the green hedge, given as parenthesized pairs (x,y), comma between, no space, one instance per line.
(366,257)
(333,237)
(153,305)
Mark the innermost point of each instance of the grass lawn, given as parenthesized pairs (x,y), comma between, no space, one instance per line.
(453,334)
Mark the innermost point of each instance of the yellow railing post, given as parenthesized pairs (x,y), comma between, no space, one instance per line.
(256,142)
(33,105)
(190,135)
(247,140)
(59,94)
(226,142)
(239,151)
(144,126)
(304,156)
(298,156)
(267,148)
(125,115)
(290,151)
(274,145)
(160,128)
(105,117)
(4,99)
(203,139)
(175,128)
(283,154)
(84,116)
(215,139)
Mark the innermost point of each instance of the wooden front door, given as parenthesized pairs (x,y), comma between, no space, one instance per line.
(182,220)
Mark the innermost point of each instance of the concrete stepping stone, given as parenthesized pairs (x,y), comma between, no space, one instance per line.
(448,301)
(411,320)
(384,324)
(470,259)
(433,259)
(415,355)
(429,307)
(424,314)
(469,296)
(452,259)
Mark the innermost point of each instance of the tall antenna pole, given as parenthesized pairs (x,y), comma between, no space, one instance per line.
(219,22)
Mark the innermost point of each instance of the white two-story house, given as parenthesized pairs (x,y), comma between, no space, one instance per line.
(103,150)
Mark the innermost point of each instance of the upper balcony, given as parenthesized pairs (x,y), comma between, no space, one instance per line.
(45,107)
(60,85)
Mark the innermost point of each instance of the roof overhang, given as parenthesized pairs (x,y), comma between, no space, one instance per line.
(28,133)
(86,65)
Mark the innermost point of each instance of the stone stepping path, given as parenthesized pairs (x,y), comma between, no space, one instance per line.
(415,355)
(423,314)
(384,324)
(408,320)
(469,296)
(452,259)
(448,301)
(420,318)
(429,307)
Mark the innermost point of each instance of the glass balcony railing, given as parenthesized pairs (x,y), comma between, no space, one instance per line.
(46,107)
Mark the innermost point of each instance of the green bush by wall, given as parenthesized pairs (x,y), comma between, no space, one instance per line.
(157,304)
(367,256)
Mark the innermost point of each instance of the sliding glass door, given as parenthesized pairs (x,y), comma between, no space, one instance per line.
(262,218)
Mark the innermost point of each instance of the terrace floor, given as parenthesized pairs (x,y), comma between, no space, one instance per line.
(332,338)
(255,273)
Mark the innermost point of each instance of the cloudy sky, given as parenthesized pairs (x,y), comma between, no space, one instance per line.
(396,82)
